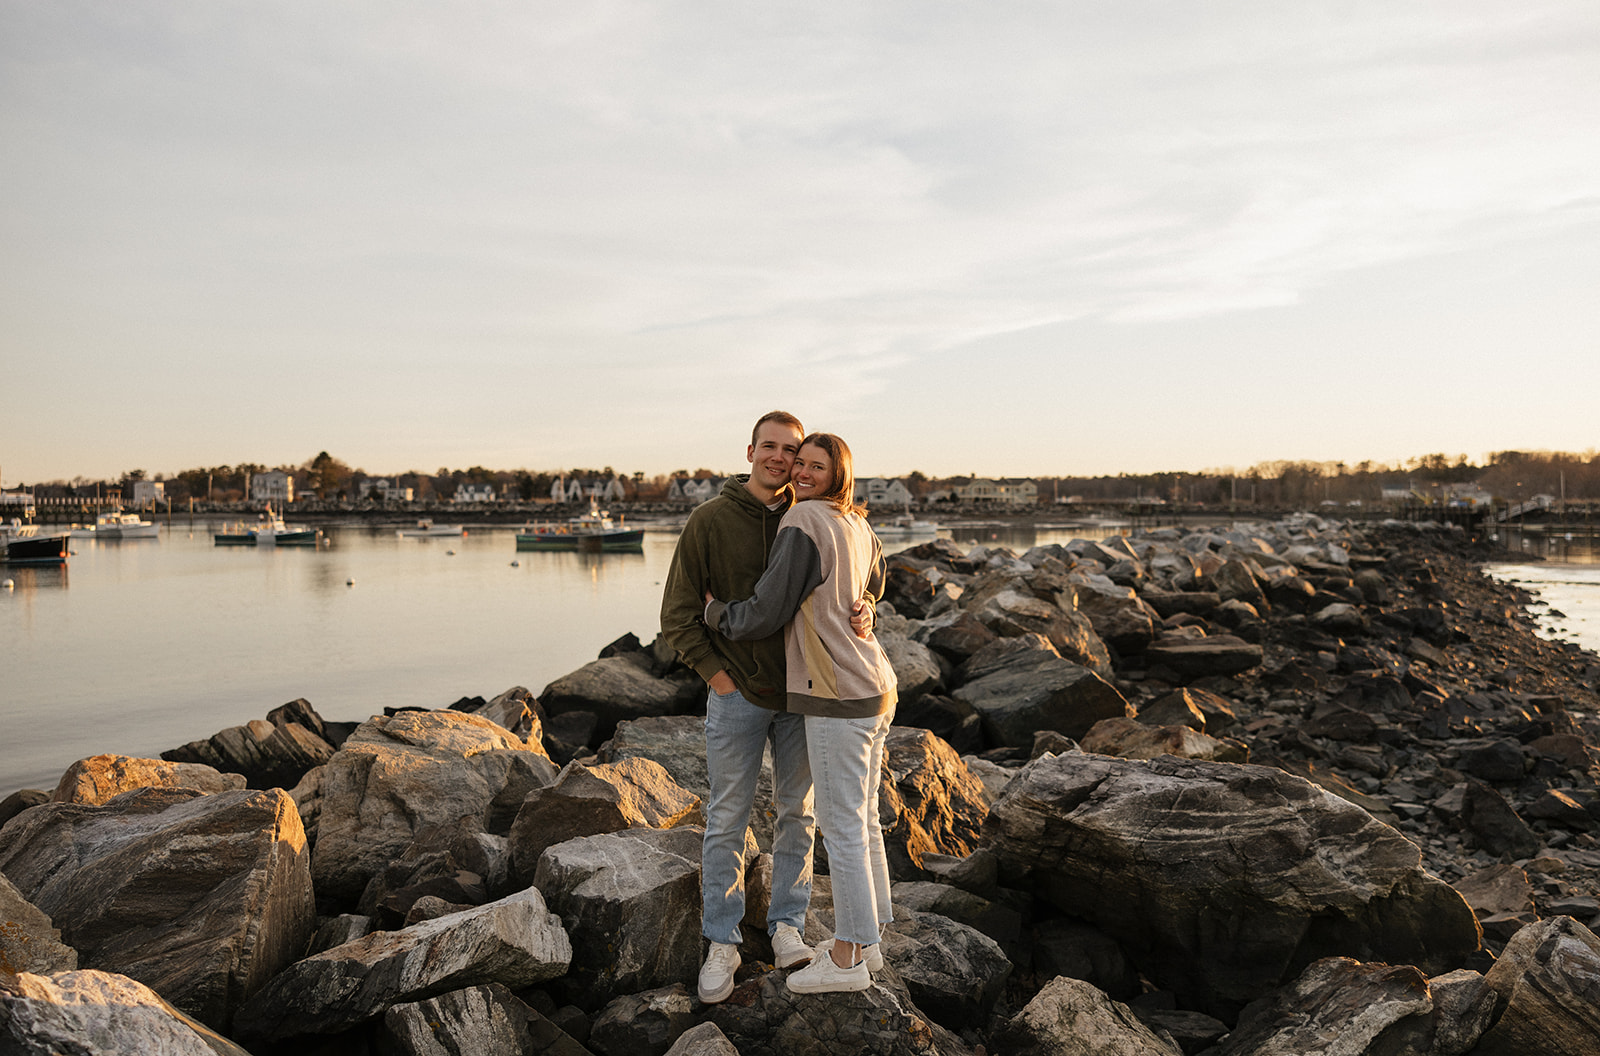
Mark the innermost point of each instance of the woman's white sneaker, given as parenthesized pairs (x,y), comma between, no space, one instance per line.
(716,975)
(788,948)
(822,976)
(873,955)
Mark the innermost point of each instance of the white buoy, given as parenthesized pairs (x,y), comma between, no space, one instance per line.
(349,582)
(11,585)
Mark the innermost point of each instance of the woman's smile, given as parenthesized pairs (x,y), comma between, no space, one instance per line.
(813,472)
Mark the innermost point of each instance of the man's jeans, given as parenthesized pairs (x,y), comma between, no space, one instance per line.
(848,755)
(736,731)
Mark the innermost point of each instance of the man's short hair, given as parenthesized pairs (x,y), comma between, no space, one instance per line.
(782,417)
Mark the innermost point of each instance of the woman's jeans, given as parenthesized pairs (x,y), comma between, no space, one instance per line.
(736,732)
(846,761)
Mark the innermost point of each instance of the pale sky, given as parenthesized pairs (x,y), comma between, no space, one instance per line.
(1007,239)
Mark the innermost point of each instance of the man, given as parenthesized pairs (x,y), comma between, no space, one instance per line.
(724,550)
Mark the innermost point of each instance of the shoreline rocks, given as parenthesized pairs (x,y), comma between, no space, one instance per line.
(1186,789)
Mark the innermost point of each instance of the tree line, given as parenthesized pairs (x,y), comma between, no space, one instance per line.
(1508,476)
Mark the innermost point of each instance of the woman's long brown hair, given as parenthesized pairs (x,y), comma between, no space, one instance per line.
(840,492)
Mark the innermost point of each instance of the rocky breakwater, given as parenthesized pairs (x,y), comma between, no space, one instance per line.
(1293,789)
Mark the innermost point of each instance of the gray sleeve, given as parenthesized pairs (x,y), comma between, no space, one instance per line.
(794,570)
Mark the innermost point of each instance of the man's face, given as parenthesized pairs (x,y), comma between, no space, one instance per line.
(771,457)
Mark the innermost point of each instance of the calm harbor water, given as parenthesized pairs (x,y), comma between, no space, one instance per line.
(143,645)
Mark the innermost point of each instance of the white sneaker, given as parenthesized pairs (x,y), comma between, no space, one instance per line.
(822,976)
(788,948)
(873,956)
(716,975)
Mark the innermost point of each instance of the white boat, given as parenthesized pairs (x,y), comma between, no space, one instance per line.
(116,526)
(426,527)
(903,527)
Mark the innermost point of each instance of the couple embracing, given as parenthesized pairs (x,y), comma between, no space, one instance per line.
(769,599)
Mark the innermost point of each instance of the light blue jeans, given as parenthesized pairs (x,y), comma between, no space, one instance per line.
(846,761)
(736,731)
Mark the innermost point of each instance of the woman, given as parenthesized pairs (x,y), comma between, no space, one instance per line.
(824,558)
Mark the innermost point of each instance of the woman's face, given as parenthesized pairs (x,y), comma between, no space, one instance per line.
(813,472)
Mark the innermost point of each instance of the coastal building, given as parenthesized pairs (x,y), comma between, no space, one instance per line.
(274,485)
(473,493)
(600,489)
(149,492)
(19,504)
(693,490)
(879,493)
(1009,491)
(385,490)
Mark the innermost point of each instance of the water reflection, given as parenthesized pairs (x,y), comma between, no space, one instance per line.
(1567,544)
(26,578)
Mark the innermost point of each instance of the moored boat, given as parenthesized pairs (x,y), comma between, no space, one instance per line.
(269,530)
(21,544)
(903,527)
(594,530)
(117,526)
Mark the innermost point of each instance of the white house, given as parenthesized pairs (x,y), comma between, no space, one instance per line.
(566,489)
(692,491)
(1012,491)
(272,486)
(387,490)
(605,490)
(879,493)
(149,492)
(473,493)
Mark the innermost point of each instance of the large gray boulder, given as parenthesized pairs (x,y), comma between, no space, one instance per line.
(631,901)
(1336,1007)
(678,743)
(928,801)
(29,942)
(1022,685)
(1132,739)
(916,670)
(201,897)
(1222,881)
(1014,612)
(588,800)
(1071,1018)
(705,1039)
(516,942)
(100,778)
(397,774)
(614,689)
(764,1018)
(644,1024)
(274,752)
(514,710)
(1122,621)
(99,1013)
(1547,993)
(486,1019)
(952,971)
(1186,659)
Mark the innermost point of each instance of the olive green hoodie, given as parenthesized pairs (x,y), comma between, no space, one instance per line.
(724,549)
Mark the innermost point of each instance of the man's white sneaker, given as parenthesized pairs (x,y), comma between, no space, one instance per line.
(788,948)
(873,955)
(822,976)
(716,975)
